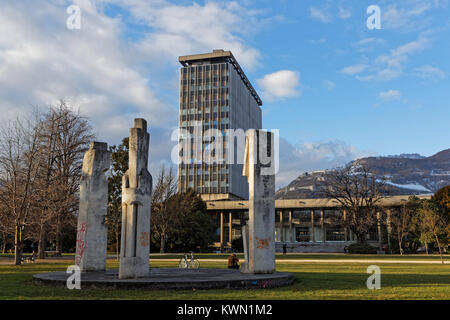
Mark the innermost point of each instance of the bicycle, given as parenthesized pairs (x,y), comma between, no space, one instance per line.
(184,263)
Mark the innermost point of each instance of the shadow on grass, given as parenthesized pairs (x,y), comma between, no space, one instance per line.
(307,281)
(312,281)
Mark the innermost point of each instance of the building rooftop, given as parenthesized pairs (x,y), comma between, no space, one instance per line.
(218,56)
(391,201)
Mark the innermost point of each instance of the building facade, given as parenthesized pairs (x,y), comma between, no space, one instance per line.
(216,99)
(304,225)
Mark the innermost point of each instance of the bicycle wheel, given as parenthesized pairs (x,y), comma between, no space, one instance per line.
(194,264)
(182,264)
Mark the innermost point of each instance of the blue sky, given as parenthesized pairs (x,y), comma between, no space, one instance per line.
(334,88)
(413,119)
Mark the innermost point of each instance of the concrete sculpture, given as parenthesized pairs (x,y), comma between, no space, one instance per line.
(92,231)
(259,234)
(136,199)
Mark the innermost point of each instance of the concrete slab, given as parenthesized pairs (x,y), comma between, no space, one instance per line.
(171,278)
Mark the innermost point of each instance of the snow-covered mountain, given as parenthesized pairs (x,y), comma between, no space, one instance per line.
(405,174)
(407,156)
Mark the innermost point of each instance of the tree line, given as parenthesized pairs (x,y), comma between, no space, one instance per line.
(423,222)
(40,167)
(359,192)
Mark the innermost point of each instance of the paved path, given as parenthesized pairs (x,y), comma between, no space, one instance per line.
(362,261)
(329,261)
(9,261)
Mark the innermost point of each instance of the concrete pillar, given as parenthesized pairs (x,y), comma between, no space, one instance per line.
(281,227)
(259,167)
(389,229)
(245,241)
(92,231)
(322,224)
(136,199)
(230,227)
(221,230)
(345,225)
(380,236)
(290,226)
(313,236)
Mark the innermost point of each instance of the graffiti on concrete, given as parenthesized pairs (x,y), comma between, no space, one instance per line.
(81,243)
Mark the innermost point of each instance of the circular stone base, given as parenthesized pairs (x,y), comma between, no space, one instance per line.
(172,278)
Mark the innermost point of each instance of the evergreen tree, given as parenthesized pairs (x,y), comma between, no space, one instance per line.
(119,165)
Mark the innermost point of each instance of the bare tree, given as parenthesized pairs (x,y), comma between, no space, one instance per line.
(403,223)
(40,168)
(6,228)
(72,136)
(162,215)
(46,188)
(433,225)
(19,166)
(359,192)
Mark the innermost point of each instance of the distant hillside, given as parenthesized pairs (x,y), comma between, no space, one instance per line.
(406,174)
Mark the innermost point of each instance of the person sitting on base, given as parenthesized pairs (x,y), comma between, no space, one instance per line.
(233,262)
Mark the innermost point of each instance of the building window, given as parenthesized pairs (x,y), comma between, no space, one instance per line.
(277,234)
(302,216)
(302,234)
(335,234)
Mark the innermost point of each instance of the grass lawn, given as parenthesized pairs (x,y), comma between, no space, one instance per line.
(312,281)
(320,256)
(289,256)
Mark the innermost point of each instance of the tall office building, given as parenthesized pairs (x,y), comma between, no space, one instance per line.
(214,94)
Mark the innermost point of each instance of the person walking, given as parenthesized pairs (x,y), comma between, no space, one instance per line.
(233,261)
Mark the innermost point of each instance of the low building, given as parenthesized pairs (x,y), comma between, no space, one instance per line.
(304,225)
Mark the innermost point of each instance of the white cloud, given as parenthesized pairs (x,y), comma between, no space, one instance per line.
(344,13)
(368,44)
(409,15)
(319,14)
(330,85)
(43,61)
(320,41)
(365,78)
(280,84)
(364,41)
(311,156)
(390,95)
(429,72)
(104,74)
(392,64)
(187,29)
(355,69)
(401,53)
(389,65)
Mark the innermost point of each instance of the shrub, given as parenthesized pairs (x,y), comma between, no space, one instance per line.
(361,248)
